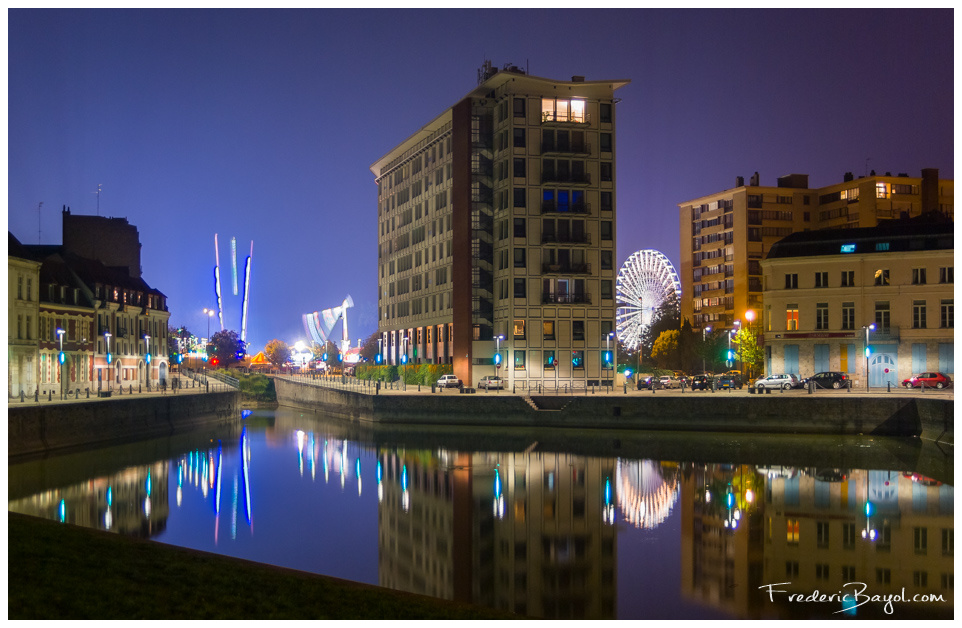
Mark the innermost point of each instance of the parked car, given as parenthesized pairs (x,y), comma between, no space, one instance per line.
(828,379)
(784,381)
(449,381)
(700,382)
(682,378)
(931,380)
(669,381)
(491,381)
(649,382)
(728,381)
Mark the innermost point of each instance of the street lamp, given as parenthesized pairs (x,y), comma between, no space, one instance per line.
(867,328)
(704,340)
(404,359)
(497,354)
(210,313)
(60,358)
(147,368)
(608,362)
(107,335)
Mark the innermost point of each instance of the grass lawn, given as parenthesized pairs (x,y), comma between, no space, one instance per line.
(59,571)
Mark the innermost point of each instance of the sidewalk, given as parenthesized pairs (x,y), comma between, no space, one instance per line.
(137,391)
(397,388)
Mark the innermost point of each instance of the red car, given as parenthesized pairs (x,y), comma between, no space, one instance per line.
(931,380)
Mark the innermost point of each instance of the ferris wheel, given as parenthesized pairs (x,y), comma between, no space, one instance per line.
(645,282)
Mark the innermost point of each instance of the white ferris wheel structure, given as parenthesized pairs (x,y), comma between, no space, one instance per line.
(645,282)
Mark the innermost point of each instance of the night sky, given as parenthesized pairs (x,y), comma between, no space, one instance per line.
(262,125)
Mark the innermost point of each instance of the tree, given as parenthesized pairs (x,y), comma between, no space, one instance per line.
(332,352)
(277,352)
(664,351)
(369,347)
(749,351)
(667,316)
(226,344)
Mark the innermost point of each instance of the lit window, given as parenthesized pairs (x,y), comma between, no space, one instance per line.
(519,329)
(563,110)
(791,317)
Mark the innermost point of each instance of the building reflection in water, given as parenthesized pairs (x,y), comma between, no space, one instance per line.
(813,530)
(536,532)
(528,532)
(132,502)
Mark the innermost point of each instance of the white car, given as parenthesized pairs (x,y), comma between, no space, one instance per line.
(785,381)
(449,381)
(491,381)
(667,381)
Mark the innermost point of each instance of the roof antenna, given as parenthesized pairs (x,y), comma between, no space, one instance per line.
(100,187)
(38,221)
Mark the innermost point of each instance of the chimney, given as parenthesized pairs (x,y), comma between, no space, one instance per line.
(930,190)
(739,182)
(848,177)
(754,179)
(577,79)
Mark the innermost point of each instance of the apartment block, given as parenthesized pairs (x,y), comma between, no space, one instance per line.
(824,290)
(726,235)
(496,233)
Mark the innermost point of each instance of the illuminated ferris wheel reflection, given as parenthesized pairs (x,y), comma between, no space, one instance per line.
(647,491)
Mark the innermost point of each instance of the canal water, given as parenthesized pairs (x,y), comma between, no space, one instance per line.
(552,525)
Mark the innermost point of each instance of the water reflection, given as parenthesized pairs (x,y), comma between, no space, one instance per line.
(542,533)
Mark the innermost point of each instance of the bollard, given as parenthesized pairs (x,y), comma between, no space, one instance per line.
(419,387)
(140,388)
(21,395)
(888,386)
(922,383)
(36,395)
(49,395)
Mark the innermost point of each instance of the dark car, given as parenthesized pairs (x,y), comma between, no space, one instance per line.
(649,382)
(930,380)
(728,381)
(700,382)
(828,379)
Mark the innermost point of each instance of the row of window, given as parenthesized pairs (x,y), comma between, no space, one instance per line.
(556,290)
(883,316)
(881,277)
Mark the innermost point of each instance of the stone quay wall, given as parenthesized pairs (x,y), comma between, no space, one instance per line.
(47,428)
(772,414)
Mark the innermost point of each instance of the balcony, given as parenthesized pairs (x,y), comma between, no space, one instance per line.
(562,117)
(574,178)
(581,238)
(568,269)
(553,297)
(579,148)
(551,207)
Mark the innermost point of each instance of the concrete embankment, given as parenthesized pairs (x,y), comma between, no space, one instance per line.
(47,428)
(771,414)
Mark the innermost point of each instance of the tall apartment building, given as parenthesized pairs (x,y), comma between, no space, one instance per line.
(496,233)
(725,236)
